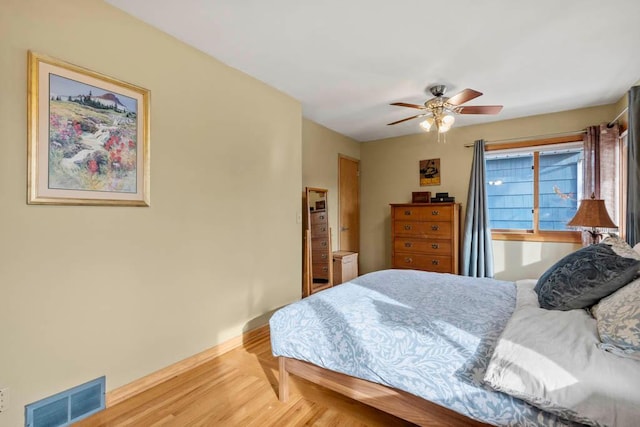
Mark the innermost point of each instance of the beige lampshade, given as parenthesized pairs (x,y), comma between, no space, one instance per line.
(592,213)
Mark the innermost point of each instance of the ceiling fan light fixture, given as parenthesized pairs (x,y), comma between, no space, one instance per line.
(444,128)
(444,122)
(448,120)
(427,123)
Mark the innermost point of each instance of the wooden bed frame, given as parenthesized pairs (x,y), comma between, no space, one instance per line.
(393,401)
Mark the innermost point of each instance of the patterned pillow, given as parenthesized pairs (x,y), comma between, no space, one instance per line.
(621,247)
(583,277)
(618,317)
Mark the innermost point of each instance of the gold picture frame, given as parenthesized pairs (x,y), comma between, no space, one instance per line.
(429,172)
(88,137)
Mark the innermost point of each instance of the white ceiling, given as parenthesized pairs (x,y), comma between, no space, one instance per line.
(345,61)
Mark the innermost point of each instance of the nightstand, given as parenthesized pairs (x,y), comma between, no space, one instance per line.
(345,266)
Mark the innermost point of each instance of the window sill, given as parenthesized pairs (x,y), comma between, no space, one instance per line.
(540,236)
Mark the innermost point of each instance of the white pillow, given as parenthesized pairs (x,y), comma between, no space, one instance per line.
(637,248)
(551,359)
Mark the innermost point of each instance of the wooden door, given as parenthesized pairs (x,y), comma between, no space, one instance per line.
(349,204)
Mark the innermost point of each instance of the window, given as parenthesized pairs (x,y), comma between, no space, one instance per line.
(533,190)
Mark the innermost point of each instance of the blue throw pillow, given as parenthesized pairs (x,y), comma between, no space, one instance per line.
(584,277)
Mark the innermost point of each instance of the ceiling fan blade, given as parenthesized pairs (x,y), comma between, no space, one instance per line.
(404,104)
(404,120)
(464,96)
(479,109)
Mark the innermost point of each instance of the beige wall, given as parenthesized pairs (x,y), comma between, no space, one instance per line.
(122,292)
(390,174)
(320,150)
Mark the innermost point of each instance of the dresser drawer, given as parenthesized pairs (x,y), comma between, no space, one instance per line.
(437,263)
(318,218)
(320,229)
(320,255)
(431,246)
(422,229)
(320,271)
(422,213)
(320,243)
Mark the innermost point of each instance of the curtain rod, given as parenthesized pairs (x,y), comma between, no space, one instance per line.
(612,122)
(532,138)
(551,135)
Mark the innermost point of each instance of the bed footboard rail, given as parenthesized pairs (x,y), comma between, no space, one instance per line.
(393,401)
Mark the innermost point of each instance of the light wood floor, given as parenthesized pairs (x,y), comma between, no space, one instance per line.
(239,388)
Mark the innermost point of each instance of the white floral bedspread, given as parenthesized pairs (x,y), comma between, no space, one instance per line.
(425,333)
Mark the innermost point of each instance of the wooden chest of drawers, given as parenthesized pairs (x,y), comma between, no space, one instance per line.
(320,245)
(425,236)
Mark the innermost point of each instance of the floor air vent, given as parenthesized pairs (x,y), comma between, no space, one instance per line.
(67,407)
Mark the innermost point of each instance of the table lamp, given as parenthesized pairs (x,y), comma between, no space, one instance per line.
(591,216)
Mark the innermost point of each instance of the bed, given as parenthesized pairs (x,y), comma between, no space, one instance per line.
(438,349)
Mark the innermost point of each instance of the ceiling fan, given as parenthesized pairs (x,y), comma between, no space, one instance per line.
(440,110)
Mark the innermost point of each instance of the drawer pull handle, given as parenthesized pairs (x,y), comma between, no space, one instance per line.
(325,269)
(323,229)
(407,227)
(435,262)
(323,256)
(408,260)
(435,213)
(323,243)
(408,245)
(321,216)
(408,213)
(435,227)
(435,246)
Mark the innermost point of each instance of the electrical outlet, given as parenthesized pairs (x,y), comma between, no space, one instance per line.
(4,399)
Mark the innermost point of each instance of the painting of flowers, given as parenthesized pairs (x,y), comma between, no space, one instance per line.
(88,137)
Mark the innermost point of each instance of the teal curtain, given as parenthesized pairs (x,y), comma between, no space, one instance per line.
(633,169)
(477,252)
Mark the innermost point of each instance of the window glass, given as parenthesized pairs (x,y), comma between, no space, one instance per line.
(518,180)
(559,183)
(510,191)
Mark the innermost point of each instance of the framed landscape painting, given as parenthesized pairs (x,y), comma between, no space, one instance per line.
(88,137)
